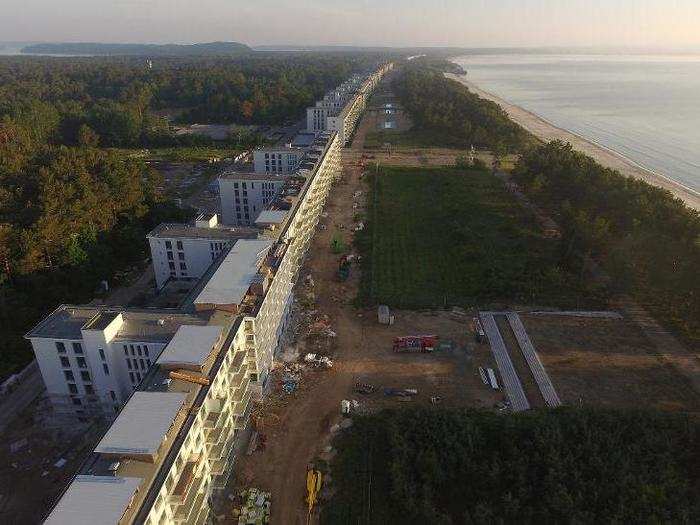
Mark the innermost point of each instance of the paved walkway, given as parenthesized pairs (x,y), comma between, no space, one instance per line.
(533,361)
(511,382)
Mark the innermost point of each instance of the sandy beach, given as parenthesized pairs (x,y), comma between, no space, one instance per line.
(546,131)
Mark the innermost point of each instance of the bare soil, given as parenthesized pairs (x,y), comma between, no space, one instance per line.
(607,362)
(297,426)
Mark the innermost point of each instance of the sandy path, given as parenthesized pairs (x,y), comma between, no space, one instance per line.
(546,131)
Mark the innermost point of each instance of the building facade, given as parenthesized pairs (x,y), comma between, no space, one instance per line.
(184,252)
(244,195)
(277,160)
(194,404)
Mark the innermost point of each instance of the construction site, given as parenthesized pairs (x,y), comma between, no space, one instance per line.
(343,359)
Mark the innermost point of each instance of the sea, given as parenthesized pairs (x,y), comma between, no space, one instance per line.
(644,107)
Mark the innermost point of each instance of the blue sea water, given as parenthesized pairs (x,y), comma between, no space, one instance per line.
(645,107)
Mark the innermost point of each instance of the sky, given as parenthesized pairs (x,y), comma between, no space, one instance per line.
(464,23)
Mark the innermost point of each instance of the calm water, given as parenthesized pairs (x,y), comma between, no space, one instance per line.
(645,107)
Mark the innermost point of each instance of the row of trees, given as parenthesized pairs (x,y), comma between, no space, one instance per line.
(417,466)
(646,240)
(120,101)
(446,107)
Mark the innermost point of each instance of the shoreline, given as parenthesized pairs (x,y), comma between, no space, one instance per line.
(546,131)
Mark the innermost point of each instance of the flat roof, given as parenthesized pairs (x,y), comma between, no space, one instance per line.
(238,175)
(190,345)
(142,424)
(231,280)
(98,500)
(271,217)
(188,231)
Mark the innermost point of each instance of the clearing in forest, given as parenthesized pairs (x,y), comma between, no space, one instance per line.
(444,236)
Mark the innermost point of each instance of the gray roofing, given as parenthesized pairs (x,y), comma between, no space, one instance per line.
(187,231)
(271,217)
(98,500)
(191,345)
(237,175)
(230,283)
(142,424)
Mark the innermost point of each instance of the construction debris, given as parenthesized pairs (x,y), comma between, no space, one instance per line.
(364,388)
(319,361)
(400,392)
(255,509)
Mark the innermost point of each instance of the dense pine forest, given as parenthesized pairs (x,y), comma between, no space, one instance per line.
(72,211)
(646,240)
(448,110)
(563,466)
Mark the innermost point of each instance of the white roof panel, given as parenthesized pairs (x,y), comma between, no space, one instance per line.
(98,500)
(190,345)
(233,277)
(143,423)
(271,217)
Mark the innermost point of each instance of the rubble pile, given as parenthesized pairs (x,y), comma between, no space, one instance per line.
(255,509)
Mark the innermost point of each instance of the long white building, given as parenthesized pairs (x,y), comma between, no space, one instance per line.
(244,195)
(172,446)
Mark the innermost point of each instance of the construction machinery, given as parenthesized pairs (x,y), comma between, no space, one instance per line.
(343,268)
(313,487)
(414,343)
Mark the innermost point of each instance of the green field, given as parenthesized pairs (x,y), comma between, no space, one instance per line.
(418,466)
(437,237)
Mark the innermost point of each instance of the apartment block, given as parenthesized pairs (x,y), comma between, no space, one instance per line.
(173,445)
(184,252)
(282,160)
(244,195)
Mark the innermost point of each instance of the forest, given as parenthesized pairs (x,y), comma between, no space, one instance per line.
(122,102)
(646,240)
(74,211)
(447,109)
(417,466)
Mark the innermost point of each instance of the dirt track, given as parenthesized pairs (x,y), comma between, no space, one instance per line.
(297,426)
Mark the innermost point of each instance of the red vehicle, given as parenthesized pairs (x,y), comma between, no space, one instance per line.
(410,343)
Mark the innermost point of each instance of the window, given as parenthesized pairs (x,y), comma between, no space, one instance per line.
(60,347)
(138,376)
(89,390)
(85,376)
(169,245)
(131,376)
(172,265)
(128,363)
(145,349)
(235,185)
(65,362)
(105,369)
(131,347)
(69,375)
(72,388)
(252,185)
(183,266)
(170,256)
(138,349)
(81,362)
(181,256)
(179,245)
(253,377)
(112,395)
(243,186)
(77,348)
(76,401)
(102,354)
(126,350)
(142,364)
(148,362)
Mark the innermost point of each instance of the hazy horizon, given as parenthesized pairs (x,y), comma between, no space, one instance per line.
(653,24)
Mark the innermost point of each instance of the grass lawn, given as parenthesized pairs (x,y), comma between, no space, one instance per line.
(437,237)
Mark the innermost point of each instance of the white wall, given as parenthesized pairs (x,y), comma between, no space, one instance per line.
(280,160)
(259,193)
(198,255)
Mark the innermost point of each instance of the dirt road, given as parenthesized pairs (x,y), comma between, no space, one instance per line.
(300,428)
